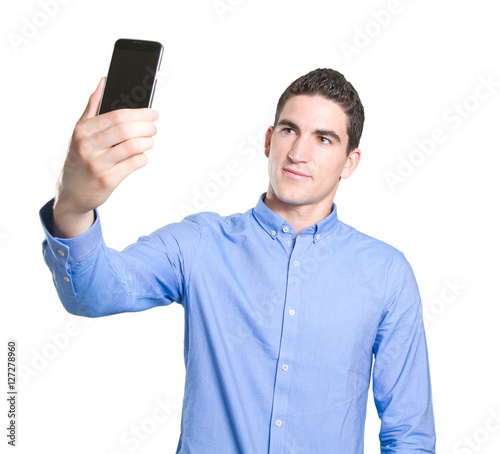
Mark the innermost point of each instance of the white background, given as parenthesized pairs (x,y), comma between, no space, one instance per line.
(84,384)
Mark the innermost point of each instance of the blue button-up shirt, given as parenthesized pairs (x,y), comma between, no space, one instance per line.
(281,332)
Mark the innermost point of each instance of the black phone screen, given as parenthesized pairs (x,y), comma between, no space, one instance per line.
(132,75)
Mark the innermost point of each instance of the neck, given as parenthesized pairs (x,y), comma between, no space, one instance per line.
(299,216)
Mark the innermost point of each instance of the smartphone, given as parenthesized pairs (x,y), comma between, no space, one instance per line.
(131,79)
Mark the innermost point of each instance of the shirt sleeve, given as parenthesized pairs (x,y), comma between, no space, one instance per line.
(401,378)
(94,280)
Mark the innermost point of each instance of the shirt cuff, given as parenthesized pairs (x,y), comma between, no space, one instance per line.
(75,249)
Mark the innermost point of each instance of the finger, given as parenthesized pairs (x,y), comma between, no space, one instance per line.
(122,132)
(126,149)
(94,100)
(109,119)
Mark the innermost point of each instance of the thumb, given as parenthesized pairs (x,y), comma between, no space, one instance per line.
(94,100)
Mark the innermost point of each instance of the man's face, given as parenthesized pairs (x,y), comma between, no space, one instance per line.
(311,139)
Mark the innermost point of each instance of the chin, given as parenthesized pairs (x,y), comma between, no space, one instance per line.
(292,196)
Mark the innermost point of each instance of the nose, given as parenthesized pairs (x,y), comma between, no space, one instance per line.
(300,150)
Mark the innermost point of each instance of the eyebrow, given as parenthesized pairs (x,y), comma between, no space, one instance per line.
(319,132)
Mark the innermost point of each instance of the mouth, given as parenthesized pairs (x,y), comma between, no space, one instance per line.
(294,175)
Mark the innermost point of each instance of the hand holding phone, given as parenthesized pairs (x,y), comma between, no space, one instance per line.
(105,149)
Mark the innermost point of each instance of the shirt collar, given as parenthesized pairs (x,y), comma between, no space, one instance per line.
(275,225)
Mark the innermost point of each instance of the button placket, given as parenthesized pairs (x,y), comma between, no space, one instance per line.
(287,349)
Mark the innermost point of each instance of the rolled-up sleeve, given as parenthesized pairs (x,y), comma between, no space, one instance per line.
(401,377)
(94,280)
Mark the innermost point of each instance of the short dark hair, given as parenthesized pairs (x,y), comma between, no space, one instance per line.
(332,85)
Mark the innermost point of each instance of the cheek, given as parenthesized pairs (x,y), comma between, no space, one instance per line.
(270,160)
(270,167)
(274,163)
(329,173)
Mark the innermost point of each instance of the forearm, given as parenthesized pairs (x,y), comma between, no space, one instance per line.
(94,280)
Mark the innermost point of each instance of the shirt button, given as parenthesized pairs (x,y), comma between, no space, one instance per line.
(291,312)
(296,263)
(317,236)
(285,229)
(66,278)
(285,367)
(278,422)
(273,232)
(61,252)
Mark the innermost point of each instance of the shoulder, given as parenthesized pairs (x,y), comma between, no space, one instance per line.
(380,260)
(211,222)
(374,255)
(193,227)
(366,243)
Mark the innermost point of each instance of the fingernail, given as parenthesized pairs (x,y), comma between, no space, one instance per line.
(155,115)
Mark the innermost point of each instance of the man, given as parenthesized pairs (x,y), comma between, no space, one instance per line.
(285,305)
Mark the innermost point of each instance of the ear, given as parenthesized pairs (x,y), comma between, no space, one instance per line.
(267,142)
(351,163)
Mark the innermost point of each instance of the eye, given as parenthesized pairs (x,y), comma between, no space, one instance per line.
(287,131)
(324,140)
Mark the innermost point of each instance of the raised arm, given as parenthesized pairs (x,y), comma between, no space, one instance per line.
(92,279)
